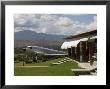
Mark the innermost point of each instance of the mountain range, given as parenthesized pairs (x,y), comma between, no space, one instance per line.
(31,35)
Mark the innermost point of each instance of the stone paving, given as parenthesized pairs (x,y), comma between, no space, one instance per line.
(87,65)
(62,61)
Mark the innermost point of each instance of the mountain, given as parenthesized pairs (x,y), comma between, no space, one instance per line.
(31,35)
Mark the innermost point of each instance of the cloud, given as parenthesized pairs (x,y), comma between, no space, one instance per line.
(93,25)
(52,24)
(47,17)
(20,19)
(17,29)
(64,21)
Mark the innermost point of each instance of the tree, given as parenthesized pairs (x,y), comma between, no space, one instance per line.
(30,55)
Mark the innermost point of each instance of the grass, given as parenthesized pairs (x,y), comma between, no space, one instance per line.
(47,63)
(52,70)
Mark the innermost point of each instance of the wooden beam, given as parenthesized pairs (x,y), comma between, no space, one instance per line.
(69,52)
(80,51)
(73,54)
(82,35)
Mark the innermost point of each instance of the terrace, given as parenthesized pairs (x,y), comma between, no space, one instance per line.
(82,48)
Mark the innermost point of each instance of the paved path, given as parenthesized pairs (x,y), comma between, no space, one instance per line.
(87,65)
(32,66)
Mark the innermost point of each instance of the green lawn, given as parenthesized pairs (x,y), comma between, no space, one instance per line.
(52,70)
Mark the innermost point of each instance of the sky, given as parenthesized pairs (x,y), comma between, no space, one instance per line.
(59,24)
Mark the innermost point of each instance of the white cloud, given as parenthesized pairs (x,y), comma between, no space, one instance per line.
(20,19)
(93,25)
(64,21)
(44,30)
(52,24)
(17,29)
(47,17)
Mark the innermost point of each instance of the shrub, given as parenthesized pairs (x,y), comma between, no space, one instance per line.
(28,61)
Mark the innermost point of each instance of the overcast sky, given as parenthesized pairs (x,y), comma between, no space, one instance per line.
(60,24)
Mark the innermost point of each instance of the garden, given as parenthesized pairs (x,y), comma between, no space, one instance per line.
(45,68)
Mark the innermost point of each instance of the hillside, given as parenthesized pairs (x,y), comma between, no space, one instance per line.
(31,35)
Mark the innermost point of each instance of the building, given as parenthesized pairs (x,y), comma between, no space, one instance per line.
(81,47)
